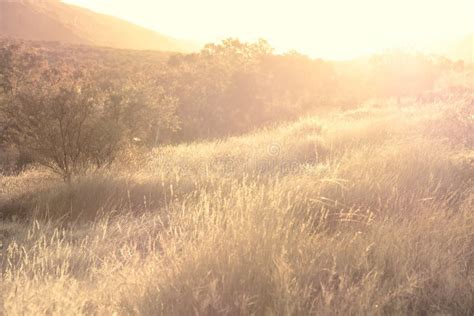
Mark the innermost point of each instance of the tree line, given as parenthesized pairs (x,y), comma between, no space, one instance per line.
(73,107)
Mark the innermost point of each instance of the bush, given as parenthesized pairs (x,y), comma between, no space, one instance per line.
(69,118)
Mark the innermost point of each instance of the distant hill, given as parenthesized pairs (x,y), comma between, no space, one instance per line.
(52,20)
(461,48)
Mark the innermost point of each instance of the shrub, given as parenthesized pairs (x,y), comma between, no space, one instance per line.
(68,118)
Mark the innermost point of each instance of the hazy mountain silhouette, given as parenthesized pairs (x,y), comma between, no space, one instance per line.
(52,20)
(461,49)
(456,48)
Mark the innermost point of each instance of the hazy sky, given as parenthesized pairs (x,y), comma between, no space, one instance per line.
(330,29)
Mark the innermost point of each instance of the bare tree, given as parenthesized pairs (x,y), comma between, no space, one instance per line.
(60,121)
(69,118)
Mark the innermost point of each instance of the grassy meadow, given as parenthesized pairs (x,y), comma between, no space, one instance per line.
(368,211)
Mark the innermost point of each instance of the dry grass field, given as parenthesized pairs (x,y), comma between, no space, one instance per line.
(368,211)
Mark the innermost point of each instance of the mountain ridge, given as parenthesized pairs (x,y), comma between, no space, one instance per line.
(52,20)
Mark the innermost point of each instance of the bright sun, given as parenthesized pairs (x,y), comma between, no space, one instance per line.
(334,29)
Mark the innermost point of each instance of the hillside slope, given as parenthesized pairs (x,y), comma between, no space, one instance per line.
(49,20)
(364,212)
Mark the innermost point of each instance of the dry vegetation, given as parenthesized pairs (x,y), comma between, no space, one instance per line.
(361,212)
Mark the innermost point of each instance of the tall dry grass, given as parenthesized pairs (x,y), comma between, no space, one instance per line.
(361,212)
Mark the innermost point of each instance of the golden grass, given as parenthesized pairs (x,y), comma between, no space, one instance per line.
(362,212)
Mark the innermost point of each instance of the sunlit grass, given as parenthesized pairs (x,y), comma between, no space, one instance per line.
(362,212)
